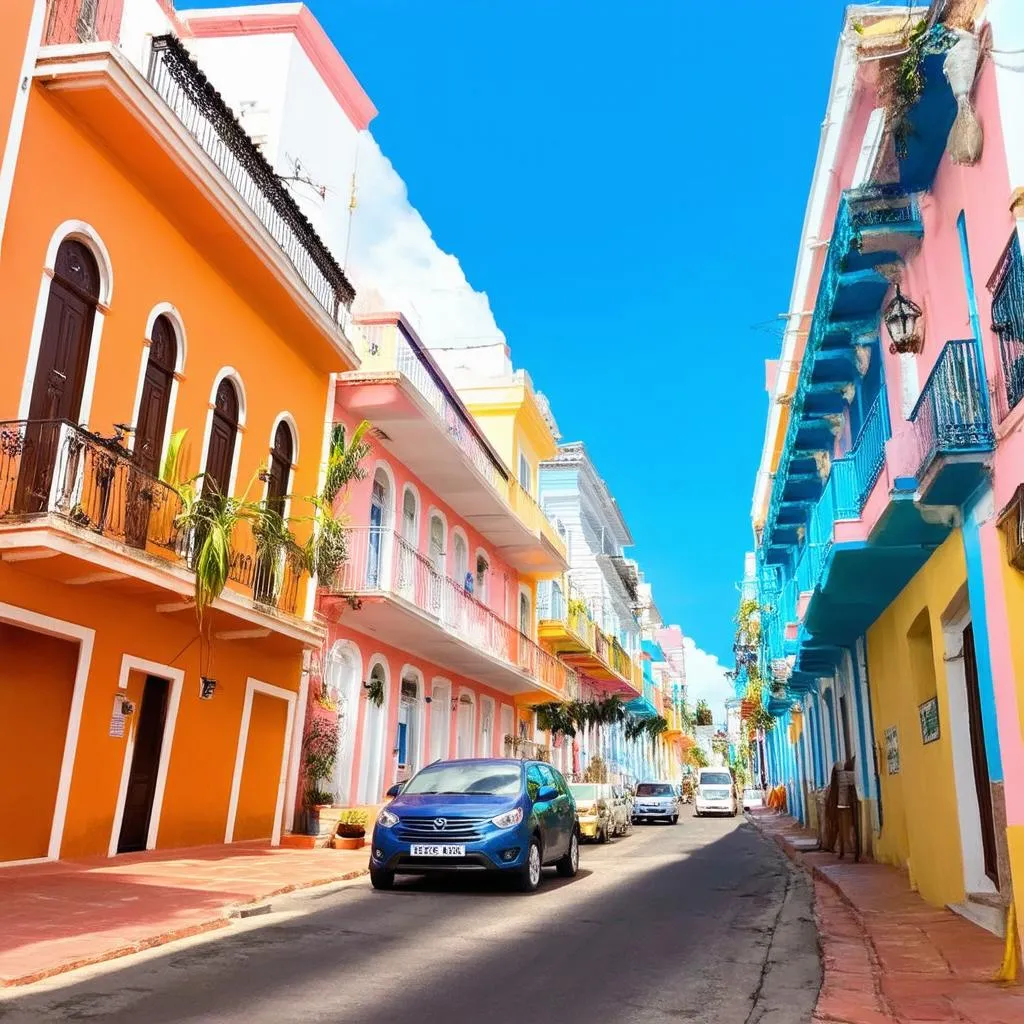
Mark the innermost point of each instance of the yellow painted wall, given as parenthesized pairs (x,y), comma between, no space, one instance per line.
(921,829)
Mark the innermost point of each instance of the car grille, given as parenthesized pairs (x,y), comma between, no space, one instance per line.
(427,830)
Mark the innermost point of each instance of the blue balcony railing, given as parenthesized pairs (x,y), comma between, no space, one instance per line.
(952,414)
(855,474)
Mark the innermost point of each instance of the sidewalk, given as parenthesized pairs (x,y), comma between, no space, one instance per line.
(889,957)
(58,916)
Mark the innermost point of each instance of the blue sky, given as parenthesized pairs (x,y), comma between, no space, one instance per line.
(627,184)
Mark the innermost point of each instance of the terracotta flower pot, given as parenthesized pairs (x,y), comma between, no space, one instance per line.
(349,843)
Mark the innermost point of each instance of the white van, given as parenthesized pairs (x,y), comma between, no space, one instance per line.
(716,792)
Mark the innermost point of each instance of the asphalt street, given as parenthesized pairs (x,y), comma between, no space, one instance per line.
(702,922)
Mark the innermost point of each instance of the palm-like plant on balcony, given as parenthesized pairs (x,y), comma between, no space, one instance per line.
(704,716)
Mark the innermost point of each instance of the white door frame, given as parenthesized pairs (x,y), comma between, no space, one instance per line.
(175,676)
(968,810)
(253,686)
(85,637)
(441,716)
(374,730)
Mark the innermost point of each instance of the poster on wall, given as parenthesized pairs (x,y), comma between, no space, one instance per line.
(892,751)
(929,712)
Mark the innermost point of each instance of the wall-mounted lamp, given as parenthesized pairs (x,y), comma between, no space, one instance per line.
(127,707)
(207,687)
(901,317)
(428,700)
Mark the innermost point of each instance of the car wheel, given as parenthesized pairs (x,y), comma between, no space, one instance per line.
(675,819)
(529,873)
(382,880)
(570,863)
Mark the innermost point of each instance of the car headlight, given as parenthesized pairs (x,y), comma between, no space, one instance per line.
(509,818)
(386,819)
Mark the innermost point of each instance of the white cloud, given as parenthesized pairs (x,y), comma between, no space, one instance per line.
(706,679)
(393,254)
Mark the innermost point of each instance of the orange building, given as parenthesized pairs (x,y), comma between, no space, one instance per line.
(155,277)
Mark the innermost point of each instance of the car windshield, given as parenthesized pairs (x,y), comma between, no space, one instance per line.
(584,792)
(654,789)
(716,779)
(467,777)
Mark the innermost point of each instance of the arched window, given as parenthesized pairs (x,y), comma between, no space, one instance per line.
(460,558)
(410,516)
(437,543)
(380,520)
(279,469)
(150,429)
(220,454)
(524,613)
(59,380)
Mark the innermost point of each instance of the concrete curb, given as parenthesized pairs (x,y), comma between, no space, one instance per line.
(225,917)
(819,876)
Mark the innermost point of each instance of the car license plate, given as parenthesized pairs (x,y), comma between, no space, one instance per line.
(423,850)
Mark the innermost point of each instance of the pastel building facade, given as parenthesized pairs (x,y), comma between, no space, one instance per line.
(150,288)
(889,468)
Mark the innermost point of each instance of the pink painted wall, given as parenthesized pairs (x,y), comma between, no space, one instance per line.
(357,506)
(396,659)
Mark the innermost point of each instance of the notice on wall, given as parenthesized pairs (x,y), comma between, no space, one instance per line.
(892,751)
(929,713)
(117,719)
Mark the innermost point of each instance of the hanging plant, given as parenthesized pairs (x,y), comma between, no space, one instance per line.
(823,462)
(375,691)
(906,87)
(849,392)
(836,422)
(554,717)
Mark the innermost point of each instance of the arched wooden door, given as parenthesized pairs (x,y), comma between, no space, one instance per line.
(220,454)
(60,369)
(271,563)
(150,430)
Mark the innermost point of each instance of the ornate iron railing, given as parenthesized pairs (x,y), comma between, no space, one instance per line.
(380,562)
(854,475)
(1008,324)
(53,467)
(209,120)
(952,414)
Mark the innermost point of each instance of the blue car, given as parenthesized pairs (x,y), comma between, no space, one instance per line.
(496,814)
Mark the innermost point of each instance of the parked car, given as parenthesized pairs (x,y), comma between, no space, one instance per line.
(656,801)
(716,792)
(753,799)
(623,803)
(503,815)
(602,810)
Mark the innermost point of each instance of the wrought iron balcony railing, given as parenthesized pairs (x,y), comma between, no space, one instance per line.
(209,120)
(952,413)
(55,468)
(1008,323)
(380,562)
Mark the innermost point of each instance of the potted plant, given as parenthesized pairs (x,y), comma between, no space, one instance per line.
(351,831)
(319,752)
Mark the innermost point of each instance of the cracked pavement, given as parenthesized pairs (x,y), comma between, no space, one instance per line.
(704,922)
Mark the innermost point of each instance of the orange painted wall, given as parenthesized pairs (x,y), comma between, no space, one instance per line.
(17,14)
(206,734)
(261,771)
(63,176)
(37,678)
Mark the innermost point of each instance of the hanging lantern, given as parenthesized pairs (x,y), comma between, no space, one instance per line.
(901,317)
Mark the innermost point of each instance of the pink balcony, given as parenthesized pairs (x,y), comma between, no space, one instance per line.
(390,590)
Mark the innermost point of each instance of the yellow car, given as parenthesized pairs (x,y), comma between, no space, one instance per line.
(594,810)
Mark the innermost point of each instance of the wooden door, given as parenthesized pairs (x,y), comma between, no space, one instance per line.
(150,430)
(271,564)
(979,758)
(149,738)
(220,455)
(60,370)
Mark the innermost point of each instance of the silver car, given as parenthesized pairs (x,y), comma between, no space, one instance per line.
(656,801)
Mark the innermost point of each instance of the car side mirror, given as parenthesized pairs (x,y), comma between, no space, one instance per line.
(394,791)
(545,795)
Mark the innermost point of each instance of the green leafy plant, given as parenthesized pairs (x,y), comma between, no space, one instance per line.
(555,717)
(704,716)
(375,691)
(352,824)
(597,770)
(907,86)
(171,472)
(578,607)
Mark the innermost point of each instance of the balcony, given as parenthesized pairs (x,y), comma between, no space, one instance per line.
(419,418)
(1007,286)
(76,509)
(169,128)
(404,600)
